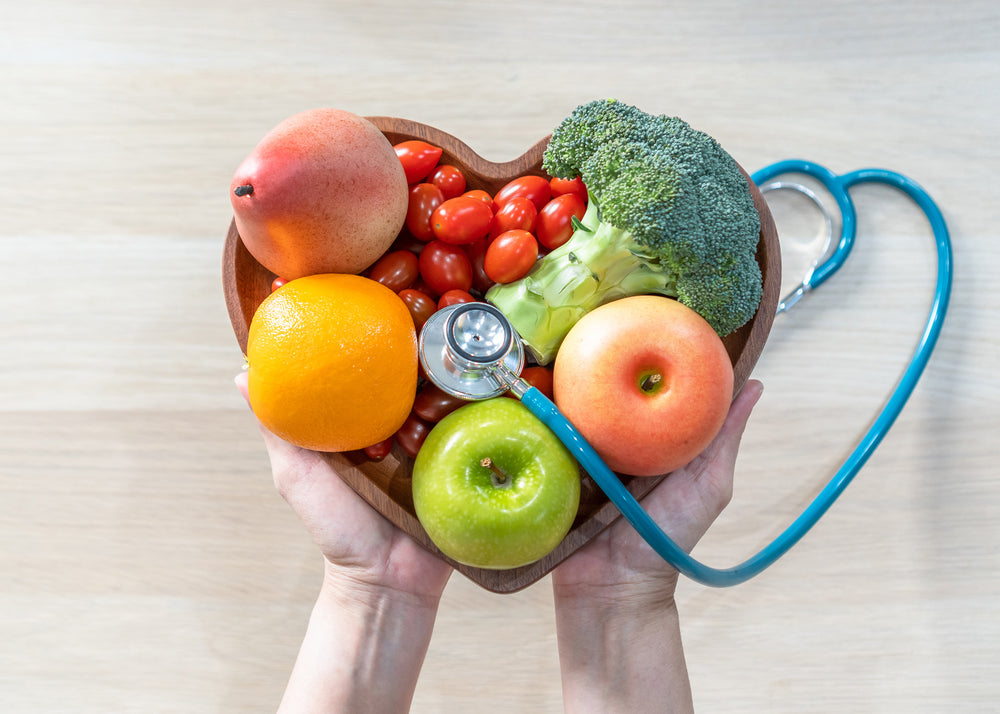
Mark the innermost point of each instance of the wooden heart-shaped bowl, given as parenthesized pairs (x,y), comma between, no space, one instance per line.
(386,484)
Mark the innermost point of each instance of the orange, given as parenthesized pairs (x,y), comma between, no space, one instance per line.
(332,362)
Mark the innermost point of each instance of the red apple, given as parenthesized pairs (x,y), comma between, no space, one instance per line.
(647,382)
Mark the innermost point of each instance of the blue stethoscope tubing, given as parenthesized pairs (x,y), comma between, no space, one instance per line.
(608,481)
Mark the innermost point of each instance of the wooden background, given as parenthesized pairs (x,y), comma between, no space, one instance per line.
(146,563)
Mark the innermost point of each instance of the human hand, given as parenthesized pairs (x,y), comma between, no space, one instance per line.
(619,563)
(616,619)
(361,548)
(372,623)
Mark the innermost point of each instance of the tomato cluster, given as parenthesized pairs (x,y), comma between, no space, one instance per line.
(468,239)
(457,242)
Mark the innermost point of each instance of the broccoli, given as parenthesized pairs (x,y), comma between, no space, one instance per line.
(670,213)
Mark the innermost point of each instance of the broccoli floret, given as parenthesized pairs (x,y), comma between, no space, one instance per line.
(670,213)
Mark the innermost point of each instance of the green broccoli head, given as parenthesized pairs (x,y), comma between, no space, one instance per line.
(675,189)
(681,205)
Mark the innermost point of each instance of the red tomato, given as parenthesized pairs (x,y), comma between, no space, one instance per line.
(540,378)
(535,188)
(480,195)
(518,212)
(434,404)
(396,270)
(461,220)
(555,221)
(449,179)
(418,158)
(377,452)
(424,200)
(277,283)
(455,297)
(477,253)
(407,241)
(420,305)
(563,186)
(412,434)
(510,256)
(423,287)
(445,267)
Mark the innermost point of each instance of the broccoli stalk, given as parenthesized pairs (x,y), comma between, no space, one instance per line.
(670,213)
(599,263)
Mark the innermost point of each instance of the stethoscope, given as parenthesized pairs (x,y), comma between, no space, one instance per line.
(471,351)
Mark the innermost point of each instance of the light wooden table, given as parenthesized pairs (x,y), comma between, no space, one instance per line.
(146,563)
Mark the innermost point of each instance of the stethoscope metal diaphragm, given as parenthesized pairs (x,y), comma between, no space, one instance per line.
(465,348)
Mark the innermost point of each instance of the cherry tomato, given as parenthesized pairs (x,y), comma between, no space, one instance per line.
(377,452)
(518,212)
(562,186)
(277,283)
(449,179)
(424,199)
(445,267)
(510,256)
(412,434)
(555,221)
(434,404)
(540,378)
(423,287)
(421,306)
(397,270)
(461,220)
(477,252)
(455,297)
(418,158)
(480,195)
(407,241)
(535,188)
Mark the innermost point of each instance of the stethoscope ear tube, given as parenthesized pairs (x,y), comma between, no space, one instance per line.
(630,508)
(792,298)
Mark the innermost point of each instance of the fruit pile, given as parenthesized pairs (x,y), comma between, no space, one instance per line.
(367,240)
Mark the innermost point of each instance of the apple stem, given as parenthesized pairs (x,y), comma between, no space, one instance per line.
(499,477)
(650,381)
(244,190)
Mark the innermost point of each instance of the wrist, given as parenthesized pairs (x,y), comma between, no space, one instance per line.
(349,589)
(363,649)
(644,597)
(613,619)
(621,651)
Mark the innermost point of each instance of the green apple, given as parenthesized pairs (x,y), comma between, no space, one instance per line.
(493,486)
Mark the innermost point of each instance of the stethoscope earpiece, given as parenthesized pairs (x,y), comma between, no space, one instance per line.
(792,298)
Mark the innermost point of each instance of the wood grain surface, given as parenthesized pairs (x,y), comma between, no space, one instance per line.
(147,563)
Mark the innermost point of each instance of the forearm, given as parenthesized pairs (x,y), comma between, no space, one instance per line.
(618,657)
(362,652)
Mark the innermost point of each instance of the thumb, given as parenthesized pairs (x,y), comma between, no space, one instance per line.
(242,384)
(720,457)
(736,421)
(276,446)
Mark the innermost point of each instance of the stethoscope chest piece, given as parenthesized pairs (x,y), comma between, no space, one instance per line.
(461,347)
